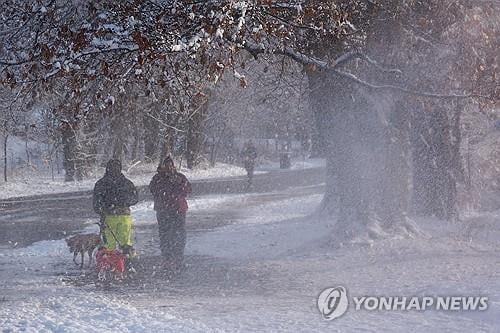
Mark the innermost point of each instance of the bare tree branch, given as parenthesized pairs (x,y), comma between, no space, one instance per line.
(360,55)
(164,124)
(402,89)
(256,49)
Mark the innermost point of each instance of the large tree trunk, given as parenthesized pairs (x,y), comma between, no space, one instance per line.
(118,133)
(94,142)
(5,158)
(136,141)
(321,106)
(194,139)
(366,136)
(436,161)
(216,142)
(167,146)
(151,136)
(26,144)
(69,151)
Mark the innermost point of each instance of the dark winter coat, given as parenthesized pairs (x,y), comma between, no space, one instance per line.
(170,191)
(114,195)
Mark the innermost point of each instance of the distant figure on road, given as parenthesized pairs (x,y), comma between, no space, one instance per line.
(249,155)
(113,196)
(169,189)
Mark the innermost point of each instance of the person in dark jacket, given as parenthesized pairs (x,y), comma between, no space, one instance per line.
(249,155)
(169,189)
(113,196)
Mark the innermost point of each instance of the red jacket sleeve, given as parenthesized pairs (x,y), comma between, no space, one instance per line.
(185,186)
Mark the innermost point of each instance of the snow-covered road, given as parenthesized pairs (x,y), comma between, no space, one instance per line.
(257,262)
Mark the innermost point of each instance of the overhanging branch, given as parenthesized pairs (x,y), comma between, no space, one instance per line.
(256,49)
(303,59)
(360,55)
(408,91)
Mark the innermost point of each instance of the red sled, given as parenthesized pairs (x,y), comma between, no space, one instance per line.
(110,261)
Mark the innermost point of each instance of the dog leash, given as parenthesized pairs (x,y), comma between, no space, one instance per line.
(104,226)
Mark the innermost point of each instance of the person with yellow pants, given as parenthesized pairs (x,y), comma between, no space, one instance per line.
(113,196)
(117,231)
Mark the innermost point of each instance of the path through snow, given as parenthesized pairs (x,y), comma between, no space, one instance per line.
(257,262)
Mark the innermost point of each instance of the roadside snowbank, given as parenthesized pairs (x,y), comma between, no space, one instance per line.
(296,164)
(31,183)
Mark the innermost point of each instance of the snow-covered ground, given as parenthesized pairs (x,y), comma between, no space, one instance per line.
(297,163)
(261,268)
(33,183)
(39,302)
(28,182)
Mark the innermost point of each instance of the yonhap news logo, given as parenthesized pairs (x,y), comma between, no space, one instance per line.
(334,302)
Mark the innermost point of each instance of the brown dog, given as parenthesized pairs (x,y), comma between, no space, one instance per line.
(81,244)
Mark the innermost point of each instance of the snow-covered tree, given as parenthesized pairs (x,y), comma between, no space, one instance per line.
(83,51)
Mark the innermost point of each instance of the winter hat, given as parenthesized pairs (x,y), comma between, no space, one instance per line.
(167,160)
(114,167)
